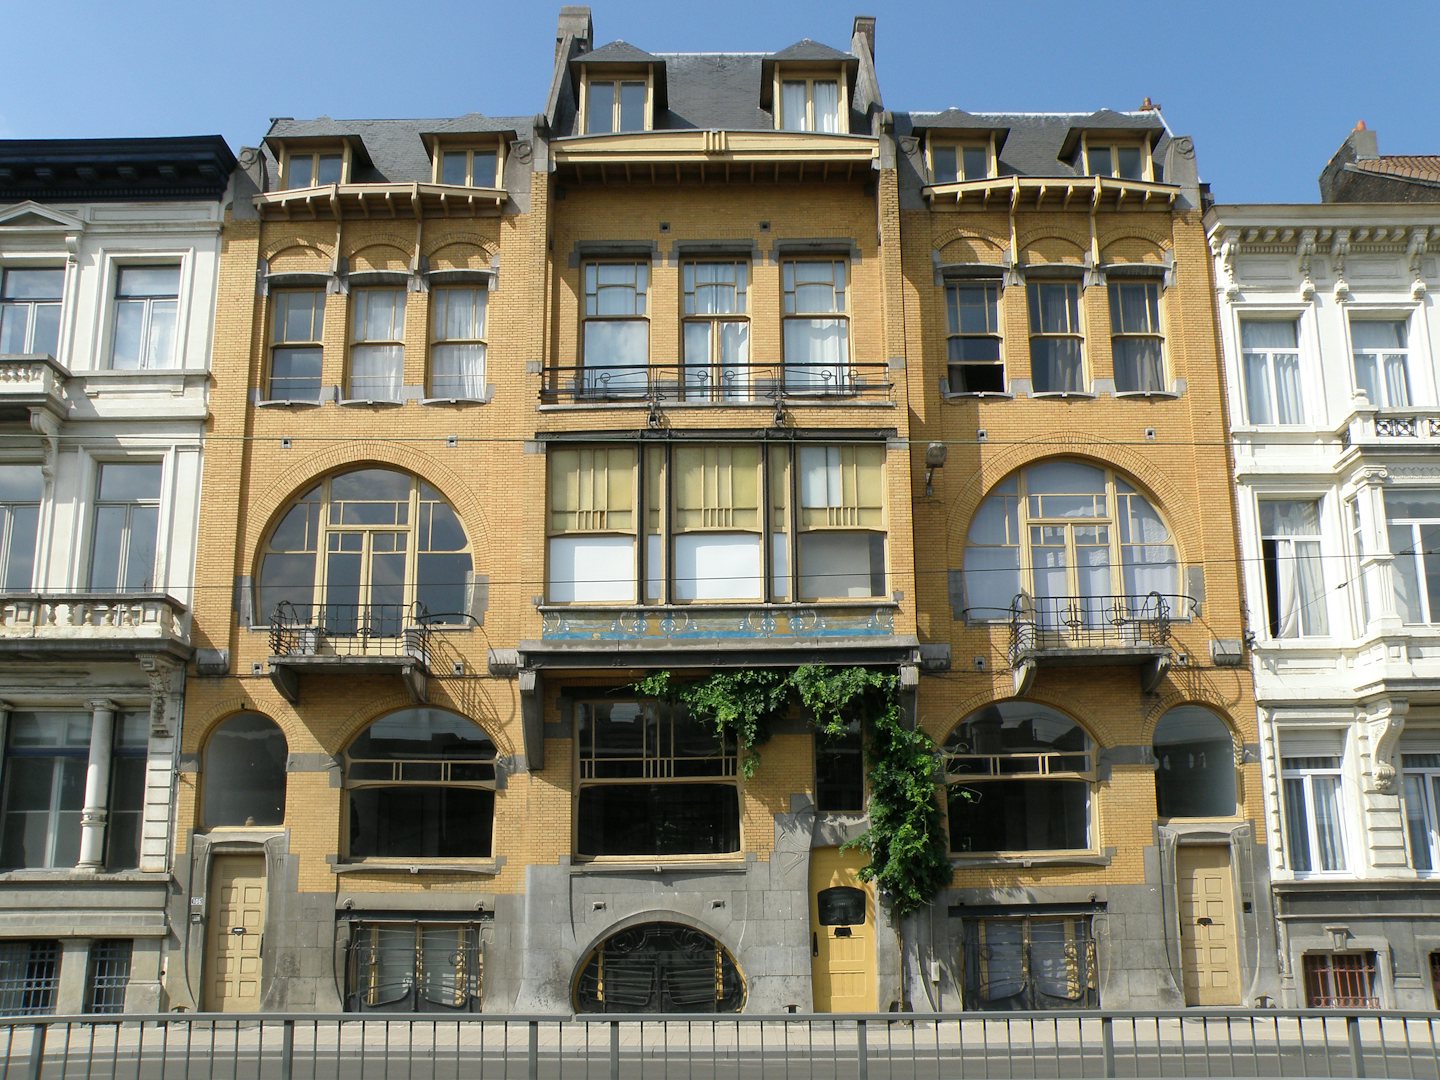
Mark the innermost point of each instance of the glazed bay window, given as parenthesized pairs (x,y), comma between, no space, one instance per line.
(1413,522)
(816,325)
(1382,362)
(30,310)
(1421,771)
(1018,777)
(1270,359)
(457,342)
(377,344)
(615,105)
(616,328)
(146,301)
(952,162)
(1137,345)
(711,517)
(20,491)
(810,105)
(1294,568)
(297,324)
(1314,803)
(47,757)
(652,780)
(126,527)
(716,330)
(973,341)
(1057,353)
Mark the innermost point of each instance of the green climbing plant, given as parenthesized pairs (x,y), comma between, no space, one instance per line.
(905,840)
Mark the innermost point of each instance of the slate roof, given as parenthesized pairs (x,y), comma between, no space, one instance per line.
(395,149)
(617,52)
(1038,143)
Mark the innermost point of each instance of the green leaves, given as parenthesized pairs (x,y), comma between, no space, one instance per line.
(905,839)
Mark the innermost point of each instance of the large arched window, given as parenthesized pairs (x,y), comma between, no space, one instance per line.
(1194,764)
(244,774)
(361,551)
(659,967)
(421,784)
(1064,529)
(1018,778)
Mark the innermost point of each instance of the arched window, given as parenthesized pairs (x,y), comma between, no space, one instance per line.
(421,784)
(1195,764)
(659,967)
(360,551)
(1018,778)
(244,774)
(1065,529)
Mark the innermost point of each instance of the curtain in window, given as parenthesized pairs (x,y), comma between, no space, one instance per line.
(1380,355)
(792,106)
(1296,588)
(375,372)
(816,352)
(1057,365)
(827,106)
(1327,822)
(1417,821)
(1268,344)
(458,371)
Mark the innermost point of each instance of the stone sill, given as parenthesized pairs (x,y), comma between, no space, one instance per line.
(480,867)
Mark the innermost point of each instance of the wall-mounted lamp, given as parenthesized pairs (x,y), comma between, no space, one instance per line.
(934,459)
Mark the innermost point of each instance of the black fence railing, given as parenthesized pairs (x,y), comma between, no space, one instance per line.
(1092,622)
(349,630)
(716,383)
(888,1046)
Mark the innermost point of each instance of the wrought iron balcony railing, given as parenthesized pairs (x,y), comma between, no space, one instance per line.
(1043,624)
(341,630)
(716,384)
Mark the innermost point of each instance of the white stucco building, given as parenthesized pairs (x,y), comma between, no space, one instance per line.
(108,256)
(1332,353)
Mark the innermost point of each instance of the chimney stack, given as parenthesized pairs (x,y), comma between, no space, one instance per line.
(865,27)
(575,22)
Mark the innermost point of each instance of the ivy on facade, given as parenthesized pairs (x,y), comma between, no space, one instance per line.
(905,839)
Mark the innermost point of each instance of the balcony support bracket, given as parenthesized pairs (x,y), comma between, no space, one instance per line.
(287,681)
(417,682)
(532,720)
(1023,673)
(1153,672)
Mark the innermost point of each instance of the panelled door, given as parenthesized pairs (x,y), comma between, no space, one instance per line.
(235,934)
(842,932)
(1208,954)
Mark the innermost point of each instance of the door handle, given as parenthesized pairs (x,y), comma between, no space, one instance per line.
(814,943)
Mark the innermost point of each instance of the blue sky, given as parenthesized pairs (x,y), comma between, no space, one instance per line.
(1268,88)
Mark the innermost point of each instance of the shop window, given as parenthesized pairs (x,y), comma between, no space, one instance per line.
(1030,964)
(1194,765)
(244,775)
(659,968)
(420,783)
(1019,777)
(29,977)
(653,780)
(1340,981)
(414,967)
(108,976)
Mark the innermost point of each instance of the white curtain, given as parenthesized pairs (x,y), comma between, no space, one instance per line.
(827,106)
(792,106)
(1406,577)
(817,353)
(457,371)
(375,372)
(1327,822)
(1291,532)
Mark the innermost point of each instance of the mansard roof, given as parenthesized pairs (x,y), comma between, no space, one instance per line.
(89,170)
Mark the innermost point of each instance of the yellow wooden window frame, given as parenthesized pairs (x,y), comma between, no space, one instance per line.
(616,78)
(810,76)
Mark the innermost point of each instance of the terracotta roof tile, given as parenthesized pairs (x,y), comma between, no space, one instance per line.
(1409,166)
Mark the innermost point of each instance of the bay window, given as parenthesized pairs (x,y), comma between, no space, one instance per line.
(1413,524)
(683,523)
(1295,597)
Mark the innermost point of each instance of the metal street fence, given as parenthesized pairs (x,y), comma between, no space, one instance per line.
(892,1046)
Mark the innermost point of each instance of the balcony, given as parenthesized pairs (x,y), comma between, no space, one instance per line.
(95,626)
(1393,429)
(32,389)
(348,640)
(1092,631)
(690,384)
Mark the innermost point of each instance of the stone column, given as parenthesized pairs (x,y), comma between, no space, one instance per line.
(95,812)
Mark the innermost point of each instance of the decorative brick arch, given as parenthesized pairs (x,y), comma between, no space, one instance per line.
(1154,245)
(454,237)
(198,727)
(387,246)
(376,708)
(979,700)
(659,915)
(344,456)
(1087,448)
(313,250)
(970,236)
(1201,696)
(1028,238)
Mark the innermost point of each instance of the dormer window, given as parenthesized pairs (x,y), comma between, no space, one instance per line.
(477,166)
(953,161)
(812,103)
(616,105)
(1119,158)
(305,168)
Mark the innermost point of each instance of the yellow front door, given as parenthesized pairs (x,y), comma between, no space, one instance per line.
(1208,955)
(234,934)
(842,932)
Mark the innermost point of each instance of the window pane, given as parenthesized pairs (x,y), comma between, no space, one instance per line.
(421,822)
(1056,365)
(1020,815)
(329,169)
(1130,164)
(632,106)
(659,819)
(1195,765)
(453,166)
(827,106)
(46,284)
(945,163)
(1378,336)
(1138,365)
(129,482)
(600,110)
(835,565)
(295,375)
(977,162)
(148,281)
(792,106)
(1100,161)
(139,573)
(1266,334)
(244,779)
(376,372)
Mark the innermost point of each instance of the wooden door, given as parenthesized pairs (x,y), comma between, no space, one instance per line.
(234,934)
(842,932)
(1208,953)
